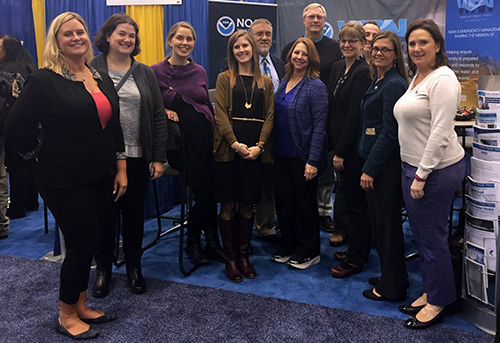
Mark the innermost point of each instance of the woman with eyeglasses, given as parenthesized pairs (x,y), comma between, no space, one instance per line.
(379,147)
(348,82)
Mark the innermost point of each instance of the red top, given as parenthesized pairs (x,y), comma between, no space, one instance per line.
(103,107)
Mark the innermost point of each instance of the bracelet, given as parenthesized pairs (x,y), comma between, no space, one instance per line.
(418,178)
(260,145)
(238,148)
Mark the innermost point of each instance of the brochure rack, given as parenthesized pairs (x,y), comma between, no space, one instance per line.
(480,282)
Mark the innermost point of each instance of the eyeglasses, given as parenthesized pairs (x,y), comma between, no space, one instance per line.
(383,50)
(260,34)
(317,16)
(350,41)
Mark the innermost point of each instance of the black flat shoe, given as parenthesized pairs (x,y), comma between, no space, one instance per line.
(105,318)
(90,333)
(414,323)
(374,280)
(411,310)
(372,296)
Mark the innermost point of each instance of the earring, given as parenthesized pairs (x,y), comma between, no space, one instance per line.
(395,63)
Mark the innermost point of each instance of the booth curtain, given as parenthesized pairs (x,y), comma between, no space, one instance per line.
(16,18)
(94,12)
(150,19)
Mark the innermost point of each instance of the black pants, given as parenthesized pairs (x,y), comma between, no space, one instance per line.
(384,204)
(80,213)
(357,211)
(131,209)
(22,186)
(296,208)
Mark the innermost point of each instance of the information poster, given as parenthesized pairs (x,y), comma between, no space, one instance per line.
(226,17)
(472,36)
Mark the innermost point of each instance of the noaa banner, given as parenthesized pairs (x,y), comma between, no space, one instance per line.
(472,36)
(394,15)
(226,17)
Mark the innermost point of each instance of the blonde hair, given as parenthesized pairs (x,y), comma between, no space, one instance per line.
(353,29)
(53,58)
(233,63)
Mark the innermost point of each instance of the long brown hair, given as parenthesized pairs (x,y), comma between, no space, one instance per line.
(233,63)
(314,61)
(398,49)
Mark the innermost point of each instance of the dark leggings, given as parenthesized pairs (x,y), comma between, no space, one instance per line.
(80,212)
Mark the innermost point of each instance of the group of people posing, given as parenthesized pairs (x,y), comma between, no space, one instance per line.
(279,132)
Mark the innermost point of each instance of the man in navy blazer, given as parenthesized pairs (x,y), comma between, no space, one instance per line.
(272,66)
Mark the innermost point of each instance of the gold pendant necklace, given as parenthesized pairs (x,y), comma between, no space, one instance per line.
(248,105)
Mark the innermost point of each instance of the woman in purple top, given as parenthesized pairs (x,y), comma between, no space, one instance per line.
(299,138)
(184,87)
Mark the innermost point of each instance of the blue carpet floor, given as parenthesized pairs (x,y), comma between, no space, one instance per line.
(312,286)
(178,313)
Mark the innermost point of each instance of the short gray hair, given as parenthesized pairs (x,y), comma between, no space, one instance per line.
(311,6)
(260,21)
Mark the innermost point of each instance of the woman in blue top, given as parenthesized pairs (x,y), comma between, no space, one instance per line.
(379,147)
(299,139)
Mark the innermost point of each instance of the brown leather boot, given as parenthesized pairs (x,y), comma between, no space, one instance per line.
(229,232)
(245,226)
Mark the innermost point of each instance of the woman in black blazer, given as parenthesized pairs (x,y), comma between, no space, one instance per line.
(381,178)
(348,82)
(81,160)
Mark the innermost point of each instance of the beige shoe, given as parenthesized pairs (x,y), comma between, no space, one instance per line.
(336,239)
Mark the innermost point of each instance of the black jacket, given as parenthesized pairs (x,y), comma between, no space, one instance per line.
(344,112)
(75,149)
(153,124)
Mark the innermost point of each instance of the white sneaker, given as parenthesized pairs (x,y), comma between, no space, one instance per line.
(277,257)
(304,262)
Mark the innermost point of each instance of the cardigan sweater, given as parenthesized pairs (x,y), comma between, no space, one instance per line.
(425,114)
(190,81)
(307,115)
(344,113)
(75,149)
(153,121)
(223,134)
(378,141)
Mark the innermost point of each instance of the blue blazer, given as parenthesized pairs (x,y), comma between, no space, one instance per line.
(378,139)
(307,112)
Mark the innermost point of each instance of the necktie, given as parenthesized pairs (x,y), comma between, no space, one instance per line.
(265,64)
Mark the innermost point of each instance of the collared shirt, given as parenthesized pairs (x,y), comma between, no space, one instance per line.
(274,73)
(317,40)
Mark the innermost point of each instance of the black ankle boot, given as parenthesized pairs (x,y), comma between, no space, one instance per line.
(136,281)
(101,284)
(193,247)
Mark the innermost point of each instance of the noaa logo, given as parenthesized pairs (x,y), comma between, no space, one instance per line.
(328,30)
(225,26)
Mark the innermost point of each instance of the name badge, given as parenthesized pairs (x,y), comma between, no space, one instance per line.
(370,131)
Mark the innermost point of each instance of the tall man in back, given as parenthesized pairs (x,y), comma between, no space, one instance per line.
(314,19)
(272,66)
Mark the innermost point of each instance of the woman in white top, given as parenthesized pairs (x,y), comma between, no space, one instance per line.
(433,166)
